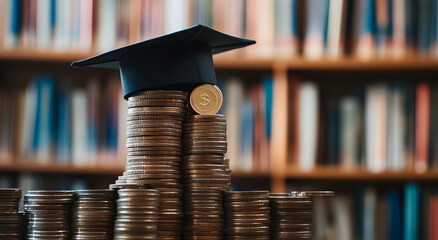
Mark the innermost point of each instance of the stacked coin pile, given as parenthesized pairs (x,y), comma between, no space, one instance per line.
(154,131)
(93,214)
(137,214)
(291,217)
(11,221)
(48,214)
(247,215)
(204,146)
(203,214)
(205,176)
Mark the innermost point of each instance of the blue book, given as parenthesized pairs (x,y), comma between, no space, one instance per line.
(16,17)
(294,24)
(64,125)
(268,88)
(247,134)
(45,132)
(411,211)
(36,128)
(424,25)
(333,131)
(394,215)
(410,23)
(367,17)
(52,14)
(358,206)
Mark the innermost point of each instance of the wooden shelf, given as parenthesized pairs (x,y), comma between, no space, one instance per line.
(319,173)
(228,61)
(98,169)
(340,174)
(24,167)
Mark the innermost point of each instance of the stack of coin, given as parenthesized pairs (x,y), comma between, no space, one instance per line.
(154,131)
(203,214)
(11,221)
(93,214)
(205,176)
(247,215)
(291,217)
(48,214)
(137,214)
(204,146)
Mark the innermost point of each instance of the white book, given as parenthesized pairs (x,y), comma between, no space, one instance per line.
(63,25)
(265,28)
(233,106)
(375,127)
(79,127)
(343,211)
(396,130)
(321,227)
(350,131)
(234,24)
(11,40)
(176,15)
(43,28)
(28,121)
(334,32)
(308,107)
(106,25)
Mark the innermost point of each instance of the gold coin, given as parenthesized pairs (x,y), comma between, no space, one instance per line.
(206,99)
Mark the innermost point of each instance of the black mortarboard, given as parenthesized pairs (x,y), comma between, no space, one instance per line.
(180,60)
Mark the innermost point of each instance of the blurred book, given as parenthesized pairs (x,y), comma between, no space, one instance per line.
(282,28)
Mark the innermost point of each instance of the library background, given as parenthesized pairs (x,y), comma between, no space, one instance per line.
(336,95)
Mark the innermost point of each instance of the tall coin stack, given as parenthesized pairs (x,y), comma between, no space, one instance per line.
(205,175)
(11,221)
(247,215)
(48,214)
(154,131)
(93,214)
(137,213)
(291,217)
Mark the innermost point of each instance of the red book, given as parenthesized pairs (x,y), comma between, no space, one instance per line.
(433,218)
(422,126)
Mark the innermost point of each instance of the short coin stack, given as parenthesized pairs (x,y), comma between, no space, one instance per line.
(11,221)
(48,214)
(154,131)
(247,215)
(93,214)
(203,214)
(137,214)
(291,217)
(205,144)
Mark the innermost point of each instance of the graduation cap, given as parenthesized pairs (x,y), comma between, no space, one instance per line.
(180,60)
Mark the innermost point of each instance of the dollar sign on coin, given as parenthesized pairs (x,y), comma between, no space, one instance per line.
(206,99)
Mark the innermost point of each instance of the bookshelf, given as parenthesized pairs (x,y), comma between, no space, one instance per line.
(280,68)
(337,62)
